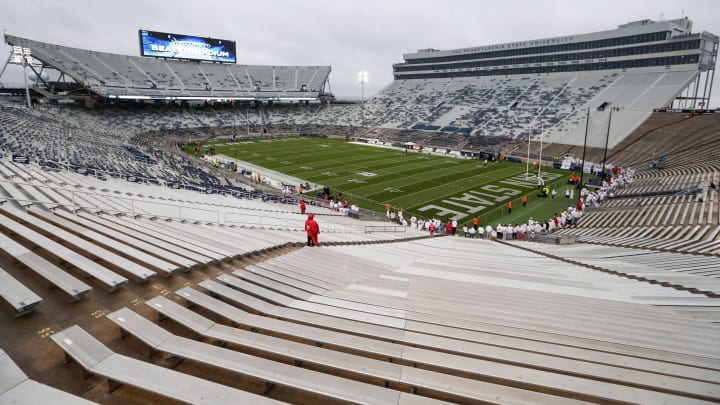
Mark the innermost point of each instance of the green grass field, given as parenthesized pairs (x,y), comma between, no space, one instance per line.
(422,184)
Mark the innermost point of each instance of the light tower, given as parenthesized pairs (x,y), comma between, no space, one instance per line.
(22,56)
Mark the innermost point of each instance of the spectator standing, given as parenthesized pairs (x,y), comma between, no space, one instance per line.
(302,206)
(431,228)
(312,229)
(454,227)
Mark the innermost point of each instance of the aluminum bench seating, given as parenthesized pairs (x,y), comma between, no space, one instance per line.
(17,388)
(22,299)
(55,276)
(13,193)
(552,379)
(381,315)
(355,364)
(40,198)
(121,249)
(418,329)
(129,240)
(175,250)
(283,277)
(133,269)
(271,372)
(5,170)
(104,275)
(246,240)
(96,358)
(190,249)
(191,235)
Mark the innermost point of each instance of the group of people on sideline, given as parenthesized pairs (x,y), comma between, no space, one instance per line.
(474,230)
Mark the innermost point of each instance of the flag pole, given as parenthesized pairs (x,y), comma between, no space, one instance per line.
(527,163)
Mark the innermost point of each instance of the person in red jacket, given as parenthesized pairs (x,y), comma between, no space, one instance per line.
(524,200)
(302,206)
(431,228)
(510,207)
(448,227)
(312,229)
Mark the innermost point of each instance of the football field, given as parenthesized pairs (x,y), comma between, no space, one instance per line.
(422,184)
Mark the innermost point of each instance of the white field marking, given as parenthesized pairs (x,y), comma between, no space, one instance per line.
(448,195)
(441,173)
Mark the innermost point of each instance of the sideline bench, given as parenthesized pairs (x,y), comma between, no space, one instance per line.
(17,388)
(21,298)
(96,358)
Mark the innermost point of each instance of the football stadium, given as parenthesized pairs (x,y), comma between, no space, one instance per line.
(526,222)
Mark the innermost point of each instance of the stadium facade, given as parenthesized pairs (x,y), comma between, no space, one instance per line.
(630,70)
(662,46)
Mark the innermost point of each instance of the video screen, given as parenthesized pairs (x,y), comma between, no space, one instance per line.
(178,46)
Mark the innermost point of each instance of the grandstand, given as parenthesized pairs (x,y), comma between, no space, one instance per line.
(501,89)
(138,78)
(175,282)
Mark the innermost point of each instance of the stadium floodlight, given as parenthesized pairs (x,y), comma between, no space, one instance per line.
(23,56)
(362,78)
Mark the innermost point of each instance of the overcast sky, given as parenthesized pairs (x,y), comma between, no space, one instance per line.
(350,36)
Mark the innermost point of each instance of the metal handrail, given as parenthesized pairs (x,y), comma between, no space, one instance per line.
(385,228)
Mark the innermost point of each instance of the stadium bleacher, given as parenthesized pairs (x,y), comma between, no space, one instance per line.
(128,76)
(99,202)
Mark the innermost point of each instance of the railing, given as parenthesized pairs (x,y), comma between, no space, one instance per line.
(385,228)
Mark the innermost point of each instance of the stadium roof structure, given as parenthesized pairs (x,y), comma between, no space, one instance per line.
(140,78)
(645,44)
